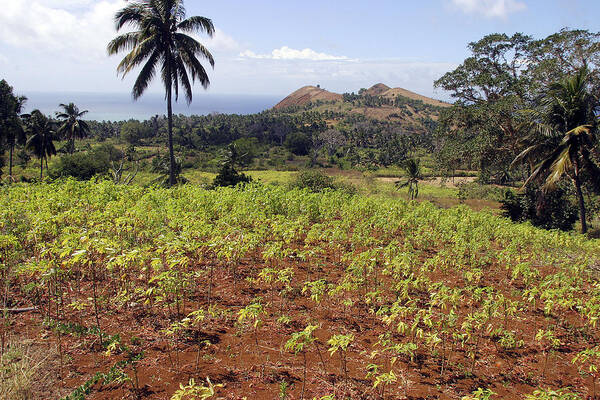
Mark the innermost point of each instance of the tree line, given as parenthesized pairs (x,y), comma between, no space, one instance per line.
(526,110)
(35,131)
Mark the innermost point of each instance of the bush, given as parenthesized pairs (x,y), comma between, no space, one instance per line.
(228,176)
(475,190)
(547,210)
(298,143)
(316,181)
(86,165)
(248,149)
(161,165)
(134,131)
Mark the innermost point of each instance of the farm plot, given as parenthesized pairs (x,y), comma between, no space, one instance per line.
(264,293)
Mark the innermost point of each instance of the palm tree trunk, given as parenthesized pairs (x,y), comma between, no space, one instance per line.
(10,163)
(41,168)
(582,217)
(170,125)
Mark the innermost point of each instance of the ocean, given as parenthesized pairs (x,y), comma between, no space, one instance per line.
(120,106)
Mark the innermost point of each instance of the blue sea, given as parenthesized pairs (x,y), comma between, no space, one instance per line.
(120,106)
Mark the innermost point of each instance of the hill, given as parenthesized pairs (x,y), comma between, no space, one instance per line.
(378,89)
(391,93)
(414,112)
(312,94)
(306,95)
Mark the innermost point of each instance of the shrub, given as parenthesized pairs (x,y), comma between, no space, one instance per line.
(86,165)
(248,149)
(548,210)
(161,165)
(475,190)
(316,181)
(298,143)
(228,176)
(134,131)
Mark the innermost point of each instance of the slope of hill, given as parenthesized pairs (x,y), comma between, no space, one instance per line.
(412,111)
(313,94)
(306,95)
(377,90)
(391,93)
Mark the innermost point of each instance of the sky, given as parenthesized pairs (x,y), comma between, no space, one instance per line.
(273,47)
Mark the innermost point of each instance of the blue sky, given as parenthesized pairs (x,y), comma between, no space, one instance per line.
(275,47)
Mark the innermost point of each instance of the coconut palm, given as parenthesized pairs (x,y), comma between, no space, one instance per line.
(412,167)
(160,42)
(11,127)
(41,131)
(72,125)
(566,134)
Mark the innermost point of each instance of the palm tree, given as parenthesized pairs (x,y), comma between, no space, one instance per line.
(160,42)
(11,127)
(72,125)
(16,132)
(41,132)
(412,167)
(565,136)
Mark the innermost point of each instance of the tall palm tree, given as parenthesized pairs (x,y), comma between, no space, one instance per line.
(41,132)
(159,41)
(412,166)
(16,132)
(564,137)
(11,127)
(72,125)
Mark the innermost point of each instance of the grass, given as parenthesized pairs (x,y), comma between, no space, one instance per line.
(26,371)
(366,182)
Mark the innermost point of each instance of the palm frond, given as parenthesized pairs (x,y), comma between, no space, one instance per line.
(543,167)
(133,14)
(191,46)
(146,75)
(559,168)
(124,42)
(197,24)
(184,79)
(137,56)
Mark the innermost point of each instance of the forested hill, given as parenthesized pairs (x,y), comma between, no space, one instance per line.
(412,111)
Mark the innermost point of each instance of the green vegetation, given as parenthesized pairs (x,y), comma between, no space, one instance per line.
(11,127)
(414,175)
(316,181)
(156,253)
(413,289)
(161,38)
(72,125)
(40,141)
(527,110)
(552,210)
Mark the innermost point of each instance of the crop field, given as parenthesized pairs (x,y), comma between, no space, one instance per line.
(267,293)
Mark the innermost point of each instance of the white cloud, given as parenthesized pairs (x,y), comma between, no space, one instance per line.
(281,77)
(490,8)
(75,29)
(286,53)
(65,3)
(54,27)
(60,45)
(220,41)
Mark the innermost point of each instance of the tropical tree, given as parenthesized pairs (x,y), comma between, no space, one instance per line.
(73,126)
(11,127)
(159,41)
(412,167)
(564,136)
(40,131)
